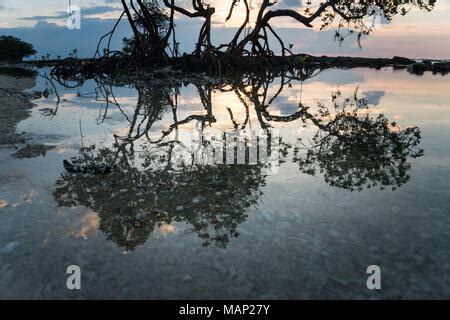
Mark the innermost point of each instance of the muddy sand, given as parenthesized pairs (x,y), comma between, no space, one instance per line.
(15,106)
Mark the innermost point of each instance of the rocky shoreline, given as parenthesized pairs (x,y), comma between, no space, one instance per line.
(15,106)
(224,65)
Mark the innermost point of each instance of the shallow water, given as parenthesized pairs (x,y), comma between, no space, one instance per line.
(372,190)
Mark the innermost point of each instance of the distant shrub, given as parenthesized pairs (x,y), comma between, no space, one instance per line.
(13,49)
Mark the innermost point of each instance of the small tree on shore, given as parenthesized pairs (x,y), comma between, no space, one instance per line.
(14,50)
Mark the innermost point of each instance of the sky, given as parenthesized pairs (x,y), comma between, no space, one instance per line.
(419,34)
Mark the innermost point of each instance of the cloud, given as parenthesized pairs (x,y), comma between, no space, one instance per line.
(401,37)
(293,3)
(63,40)
(285,105)
(63,14)
(374,97)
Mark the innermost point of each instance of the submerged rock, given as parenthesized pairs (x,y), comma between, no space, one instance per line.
(93,169)
(32,151)
(428,65)
(10,247)
(441,67)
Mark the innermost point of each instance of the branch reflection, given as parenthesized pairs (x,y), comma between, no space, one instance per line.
(141,184)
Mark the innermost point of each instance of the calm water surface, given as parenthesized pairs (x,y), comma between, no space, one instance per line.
(368,183)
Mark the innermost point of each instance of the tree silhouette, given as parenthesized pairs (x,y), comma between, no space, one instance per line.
(344,14)
(14,50)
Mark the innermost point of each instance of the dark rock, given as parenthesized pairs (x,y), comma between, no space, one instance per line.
(417,68)
(441,67)
(402,60)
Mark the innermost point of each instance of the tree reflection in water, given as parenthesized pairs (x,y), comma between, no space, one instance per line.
(355,150)
(131,202)
(146,190)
